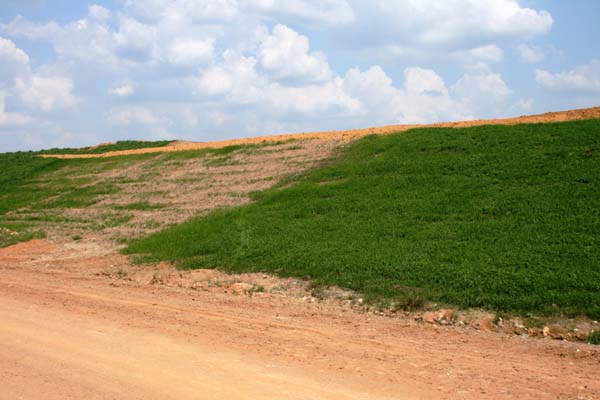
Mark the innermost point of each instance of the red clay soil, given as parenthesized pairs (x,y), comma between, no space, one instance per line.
(78,324)
(571,115)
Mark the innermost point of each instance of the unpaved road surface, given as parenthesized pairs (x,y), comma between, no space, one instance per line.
(77,323)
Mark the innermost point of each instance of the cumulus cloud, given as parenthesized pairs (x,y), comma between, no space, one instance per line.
(9,119)
(190,52)
(12,57)
(450,21)
(35,90)
(487,53)
(133,115)
(482,91)
(98,12)
(46,93)
(199,10)
(235,79)
(530,54)
(286,54)
(583,78)
(328,11)
(135,40)
(324,98)
(422,97)
(124,90)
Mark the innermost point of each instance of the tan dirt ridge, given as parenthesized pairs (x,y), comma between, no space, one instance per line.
(347,135)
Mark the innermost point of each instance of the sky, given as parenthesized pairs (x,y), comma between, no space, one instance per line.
(77,73)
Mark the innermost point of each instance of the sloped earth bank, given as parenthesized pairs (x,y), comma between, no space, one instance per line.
(80,323)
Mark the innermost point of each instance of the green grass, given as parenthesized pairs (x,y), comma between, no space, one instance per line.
(120,145)
(140,206)
(29,181)
(501,217)
(594,338)
(14,233)
(34,191)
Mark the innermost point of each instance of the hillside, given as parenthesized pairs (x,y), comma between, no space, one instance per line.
(500,217)
(377,245)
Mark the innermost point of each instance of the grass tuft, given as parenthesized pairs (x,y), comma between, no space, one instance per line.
(594,338)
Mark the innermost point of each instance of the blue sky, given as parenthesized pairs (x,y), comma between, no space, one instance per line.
(76,73)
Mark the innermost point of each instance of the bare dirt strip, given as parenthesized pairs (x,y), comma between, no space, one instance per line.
(76,324)
(347,135)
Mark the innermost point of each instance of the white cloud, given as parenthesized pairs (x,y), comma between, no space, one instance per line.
(583,78)
(13,61)
(327,11)
(327,97)
(530,54)
(286,54)
(424,81)
(199,10)
(82,40)
(446,22)
(488,53)
(98,12)
(235,79)
(524,105)
(423,97)
(190,52)
(124,90)
(10,53)
(8,119)
(36,90)
(131,115)
(215,81)
(476,85)
(135,40)
(483,92)
(46,92)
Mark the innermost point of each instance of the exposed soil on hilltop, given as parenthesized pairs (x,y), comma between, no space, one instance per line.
(77,323)
(346,135)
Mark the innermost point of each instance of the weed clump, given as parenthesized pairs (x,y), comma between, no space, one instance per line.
(594,337)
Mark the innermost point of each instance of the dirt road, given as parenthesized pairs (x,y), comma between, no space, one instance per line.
(77,322)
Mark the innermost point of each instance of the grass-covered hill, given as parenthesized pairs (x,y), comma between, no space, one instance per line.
(112,199)
(105,148)
(501,217)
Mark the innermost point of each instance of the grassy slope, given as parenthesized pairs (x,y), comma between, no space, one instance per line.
(44,186)
(119,145)
(35,190)
(506,218)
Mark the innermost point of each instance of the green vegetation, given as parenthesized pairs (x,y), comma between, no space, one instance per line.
(594,338)
(14,233)
(140,206)
(105,148)
(505,218)
(36,192)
